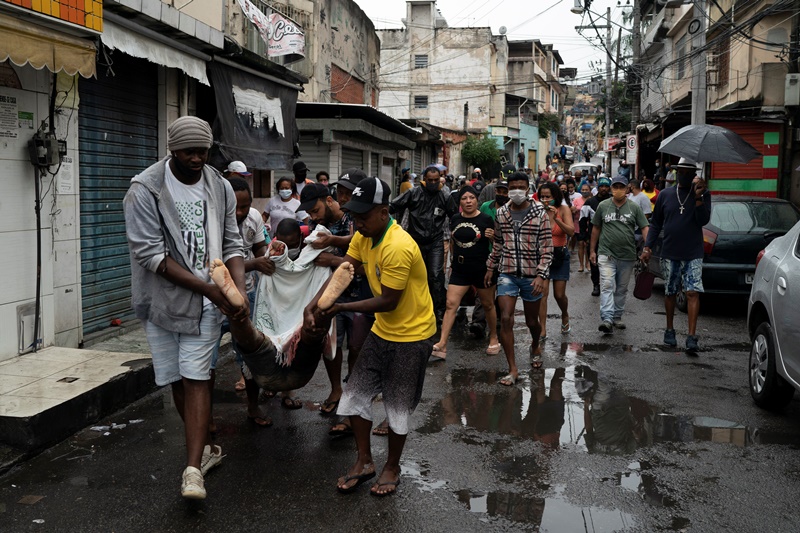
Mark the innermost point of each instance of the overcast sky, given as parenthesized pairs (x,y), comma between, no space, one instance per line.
(550,21)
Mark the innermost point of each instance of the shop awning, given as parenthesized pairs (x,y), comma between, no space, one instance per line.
(137,45)
(26,44)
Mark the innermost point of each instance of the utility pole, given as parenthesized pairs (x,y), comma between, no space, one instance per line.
(635,81)
(608,91)
(699,97)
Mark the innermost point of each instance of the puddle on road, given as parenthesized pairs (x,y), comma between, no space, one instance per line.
(574,407)
(548,514)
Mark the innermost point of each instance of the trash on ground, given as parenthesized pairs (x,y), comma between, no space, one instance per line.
(29,499)
(100,428)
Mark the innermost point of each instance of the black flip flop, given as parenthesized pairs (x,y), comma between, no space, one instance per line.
(361,479)
(291,403)
(387,483)
(328,407)
(346,432)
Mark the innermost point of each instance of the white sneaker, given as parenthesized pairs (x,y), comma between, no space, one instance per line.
(192,487)
(210,459)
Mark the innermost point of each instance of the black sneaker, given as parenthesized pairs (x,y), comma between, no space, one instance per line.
(692,346)
(596,290)
(606,327)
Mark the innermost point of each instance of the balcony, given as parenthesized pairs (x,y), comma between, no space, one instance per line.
(656,32)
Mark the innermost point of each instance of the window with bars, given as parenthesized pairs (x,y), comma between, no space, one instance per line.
(680,58)
(421,102)
(723,61)
(421,61)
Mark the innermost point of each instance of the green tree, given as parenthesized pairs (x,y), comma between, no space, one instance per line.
(548,122)
(480,151)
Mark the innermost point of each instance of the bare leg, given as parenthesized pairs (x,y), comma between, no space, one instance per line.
(193,402)
(693,310)
(361,429)
(507,305)
(532,321)
(669,307)
(560,294)
(543,308)
(390,475)
(454,295)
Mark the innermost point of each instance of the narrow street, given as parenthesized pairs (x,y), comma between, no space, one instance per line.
(646,439)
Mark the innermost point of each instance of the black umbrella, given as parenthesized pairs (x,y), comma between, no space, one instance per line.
(706,143)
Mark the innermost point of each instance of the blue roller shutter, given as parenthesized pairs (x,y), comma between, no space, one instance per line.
(118,134)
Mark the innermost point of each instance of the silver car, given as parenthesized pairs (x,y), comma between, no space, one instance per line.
(772,320)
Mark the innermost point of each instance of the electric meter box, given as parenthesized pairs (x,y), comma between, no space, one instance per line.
(792,91)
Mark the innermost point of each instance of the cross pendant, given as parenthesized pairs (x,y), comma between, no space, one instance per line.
(681,210)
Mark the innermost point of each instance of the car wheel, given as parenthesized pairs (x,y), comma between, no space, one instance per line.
(768,389)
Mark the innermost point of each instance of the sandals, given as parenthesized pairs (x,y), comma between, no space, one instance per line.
(341,429)
(328,407)
(508,380)
(382,429)
(240,385)
(493,349)
(565,328)
(291,403)
(376,487)
(536,357)
(361,478)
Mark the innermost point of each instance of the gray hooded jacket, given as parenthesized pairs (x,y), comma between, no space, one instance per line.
(153,228)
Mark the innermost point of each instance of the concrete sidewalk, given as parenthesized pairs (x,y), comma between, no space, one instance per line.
(47,396)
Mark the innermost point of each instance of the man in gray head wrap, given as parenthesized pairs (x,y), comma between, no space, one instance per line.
(180,218)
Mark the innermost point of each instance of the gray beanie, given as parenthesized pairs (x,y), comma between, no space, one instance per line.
(189,132)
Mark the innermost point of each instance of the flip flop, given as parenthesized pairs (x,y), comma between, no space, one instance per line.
(385,484)
(536,361)
(381,430)
(341,430)
(240,385)
(565,328)
(291,403)
(509,377)
(361,479)
(436,359)
(493,349)
(260,421)
(328,407)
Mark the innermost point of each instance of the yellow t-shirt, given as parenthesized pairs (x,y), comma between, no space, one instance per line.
(397,263)
(406,185)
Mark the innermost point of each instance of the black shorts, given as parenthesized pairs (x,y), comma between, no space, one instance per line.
(465,278)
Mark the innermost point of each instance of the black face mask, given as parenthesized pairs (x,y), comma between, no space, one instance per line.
(501,200)
(431,187)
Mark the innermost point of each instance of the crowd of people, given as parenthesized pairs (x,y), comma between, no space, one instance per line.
(334,269)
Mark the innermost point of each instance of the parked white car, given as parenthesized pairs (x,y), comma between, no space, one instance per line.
(773,320)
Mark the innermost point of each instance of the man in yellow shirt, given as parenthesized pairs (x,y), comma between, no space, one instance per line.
(394,356)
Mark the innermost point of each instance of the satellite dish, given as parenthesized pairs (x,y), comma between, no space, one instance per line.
(503,30)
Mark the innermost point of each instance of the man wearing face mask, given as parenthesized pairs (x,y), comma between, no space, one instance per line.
(613,250)
(521,255)
(428,210)
(682,216)
(587,214)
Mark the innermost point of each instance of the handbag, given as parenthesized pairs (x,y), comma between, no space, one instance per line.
(558,256)
(643,287)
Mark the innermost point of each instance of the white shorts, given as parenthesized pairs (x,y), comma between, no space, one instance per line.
(177,355)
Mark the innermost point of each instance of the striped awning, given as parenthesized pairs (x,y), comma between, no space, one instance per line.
(24,43)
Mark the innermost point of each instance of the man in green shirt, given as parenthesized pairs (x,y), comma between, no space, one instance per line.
(501,197)
(613,250)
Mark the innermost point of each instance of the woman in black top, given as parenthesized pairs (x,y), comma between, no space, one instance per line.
(472,233)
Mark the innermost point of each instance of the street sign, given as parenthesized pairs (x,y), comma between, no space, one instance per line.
(499,131)
(632,148)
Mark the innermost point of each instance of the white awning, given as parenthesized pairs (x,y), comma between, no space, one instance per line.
(138,45)
(27,44)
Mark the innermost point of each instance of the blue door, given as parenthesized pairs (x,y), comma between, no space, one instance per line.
(118,134)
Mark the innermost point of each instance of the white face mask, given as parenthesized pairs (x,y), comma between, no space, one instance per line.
(285,193)
(293,253)
(517,196)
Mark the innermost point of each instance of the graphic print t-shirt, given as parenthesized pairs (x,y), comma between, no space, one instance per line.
(192,206)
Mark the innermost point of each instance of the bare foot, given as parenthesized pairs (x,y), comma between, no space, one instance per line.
(340,280)
(221,276)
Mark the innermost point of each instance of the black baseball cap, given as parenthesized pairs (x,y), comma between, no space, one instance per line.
(299,167)
(369,193)
(502,184)
(310,194)
(350,178)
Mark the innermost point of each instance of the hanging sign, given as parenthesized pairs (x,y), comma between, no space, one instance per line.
(282,36)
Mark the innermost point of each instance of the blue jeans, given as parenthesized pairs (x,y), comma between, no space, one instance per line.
(615,275)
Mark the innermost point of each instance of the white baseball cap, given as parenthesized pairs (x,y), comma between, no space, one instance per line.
(237,167)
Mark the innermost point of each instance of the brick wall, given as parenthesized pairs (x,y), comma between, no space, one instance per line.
(346,88)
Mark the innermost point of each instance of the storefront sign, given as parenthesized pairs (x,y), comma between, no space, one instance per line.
(9,117)
(281,35)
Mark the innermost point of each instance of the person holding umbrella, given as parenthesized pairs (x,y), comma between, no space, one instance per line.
(682,216)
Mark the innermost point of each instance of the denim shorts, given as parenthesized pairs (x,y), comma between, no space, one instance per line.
(508,285)
(687,273)
(177,355)
(561,273)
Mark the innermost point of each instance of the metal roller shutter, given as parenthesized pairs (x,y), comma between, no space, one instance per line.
(375,164)
(316,157)
(352,158)
(118,138)
(416,167)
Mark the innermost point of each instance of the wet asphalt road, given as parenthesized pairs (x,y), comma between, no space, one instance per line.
(645,439)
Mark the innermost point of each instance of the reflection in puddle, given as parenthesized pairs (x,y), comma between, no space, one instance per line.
(574,407)
(548,514)
(418,473)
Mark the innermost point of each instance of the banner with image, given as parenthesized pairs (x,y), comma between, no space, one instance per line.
(282,36)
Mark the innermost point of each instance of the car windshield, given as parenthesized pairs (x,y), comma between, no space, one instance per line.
(753,217)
